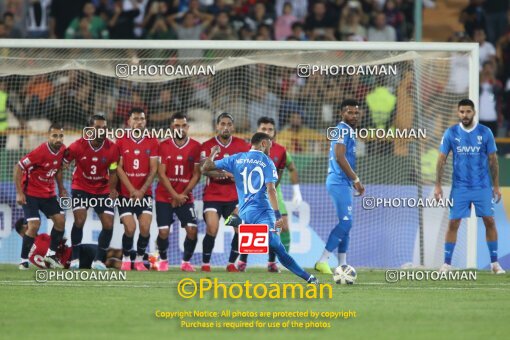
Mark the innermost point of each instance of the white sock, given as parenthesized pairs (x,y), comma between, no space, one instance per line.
(342,259)
(139,258)
(50,252)
(126,258)
(325,256)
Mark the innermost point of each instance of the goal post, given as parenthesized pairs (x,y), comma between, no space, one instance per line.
(68,80)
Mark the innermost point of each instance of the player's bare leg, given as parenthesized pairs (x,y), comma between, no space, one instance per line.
(105,236)
(80,216)
(144,221)
(491,235)
(162,242)
(127,240)
(28,241)
(212,220)
(450,240)
(57,233)
(189,248)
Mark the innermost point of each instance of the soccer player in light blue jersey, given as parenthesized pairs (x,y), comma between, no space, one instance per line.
(339,183)
(475,164)
(255,176)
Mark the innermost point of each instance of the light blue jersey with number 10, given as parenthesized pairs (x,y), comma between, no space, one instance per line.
(251,170)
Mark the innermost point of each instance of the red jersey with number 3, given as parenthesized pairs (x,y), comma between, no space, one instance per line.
(180,164)
(40,248)
(223,190)
(136,159)
(40,167)
(91,165)
(278,154)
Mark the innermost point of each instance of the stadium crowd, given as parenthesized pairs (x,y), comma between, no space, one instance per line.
(297,104)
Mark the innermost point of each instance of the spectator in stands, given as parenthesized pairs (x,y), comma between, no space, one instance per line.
(503,55)
(222,29)
(62,12)
(162,107)
(11,31)
(380,31)
(218,7)
(3,31)
(298,138)
(157,9)
(298,32)
(487,51)
(259,17)
(283,25)
(38,12)
(4,104)
(473,16)
(394,18)
(491,91)
(122,23)
(350,27)
(161,30)
(87,25)
(246,33)
(264,103)
(264,32)
(299,8)
(193,24)
(497,20)
(320,22)
(104,9)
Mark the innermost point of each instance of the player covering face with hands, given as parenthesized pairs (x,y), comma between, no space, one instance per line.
(255,179)
(340,181)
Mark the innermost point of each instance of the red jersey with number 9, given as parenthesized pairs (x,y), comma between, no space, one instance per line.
(40,167)
(136,161)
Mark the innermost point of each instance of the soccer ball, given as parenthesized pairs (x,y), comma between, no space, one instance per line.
(344,275)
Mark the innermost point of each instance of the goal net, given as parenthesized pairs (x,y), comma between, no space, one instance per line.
(400,87)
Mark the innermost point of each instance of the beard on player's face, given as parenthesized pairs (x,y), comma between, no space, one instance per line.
(467,121)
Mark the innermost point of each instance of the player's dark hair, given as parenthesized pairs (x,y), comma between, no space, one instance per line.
(259,137)
(178,115)
(466,102)
(93,118)
(348,102)
(18,226)
(265,120)
(56,126)
(224,115)
(135,110)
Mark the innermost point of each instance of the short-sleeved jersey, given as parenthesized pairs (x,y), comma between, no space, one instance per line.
(39,169)
(40,248)
(180,164)
(278,155)
(90,173)
(347,138)
(252,171)
(136,158)
(222,190)
(470,149)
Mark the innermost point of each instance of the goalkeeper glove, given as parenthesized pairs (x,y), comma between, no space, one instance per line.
(296,196)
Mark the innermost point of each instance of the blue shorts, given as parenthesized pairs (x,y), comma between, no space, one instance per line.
(342,199)
(462,199)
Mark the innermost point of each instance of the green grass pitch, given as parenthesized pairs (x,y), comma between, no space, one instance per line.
(126,310)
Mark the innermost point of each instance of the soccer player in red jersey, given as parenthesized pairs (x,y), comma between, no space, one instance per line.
(94,180)
(137,168)
(278,155)
(220,195)
(179,172)
(34,177)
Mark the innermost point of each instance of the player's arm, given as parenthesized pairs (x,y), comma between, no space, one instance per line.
(346,167)
(273,200)
(62,192)
(209,165)
(124,179)
(194,179)
(494,168)
(18,175)
(153,170)
(179,199)
(444,150)
(113,180)
(280,174)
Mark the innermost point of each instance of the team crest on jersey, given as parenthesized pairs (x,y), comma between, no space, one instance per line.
(479,139)
(94,159)
(147,151)
(179,157)
(202,154)
(103,160)
(55,162)
(137,152)
(46,165)
(276,159)
(226,155)
(126,151)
